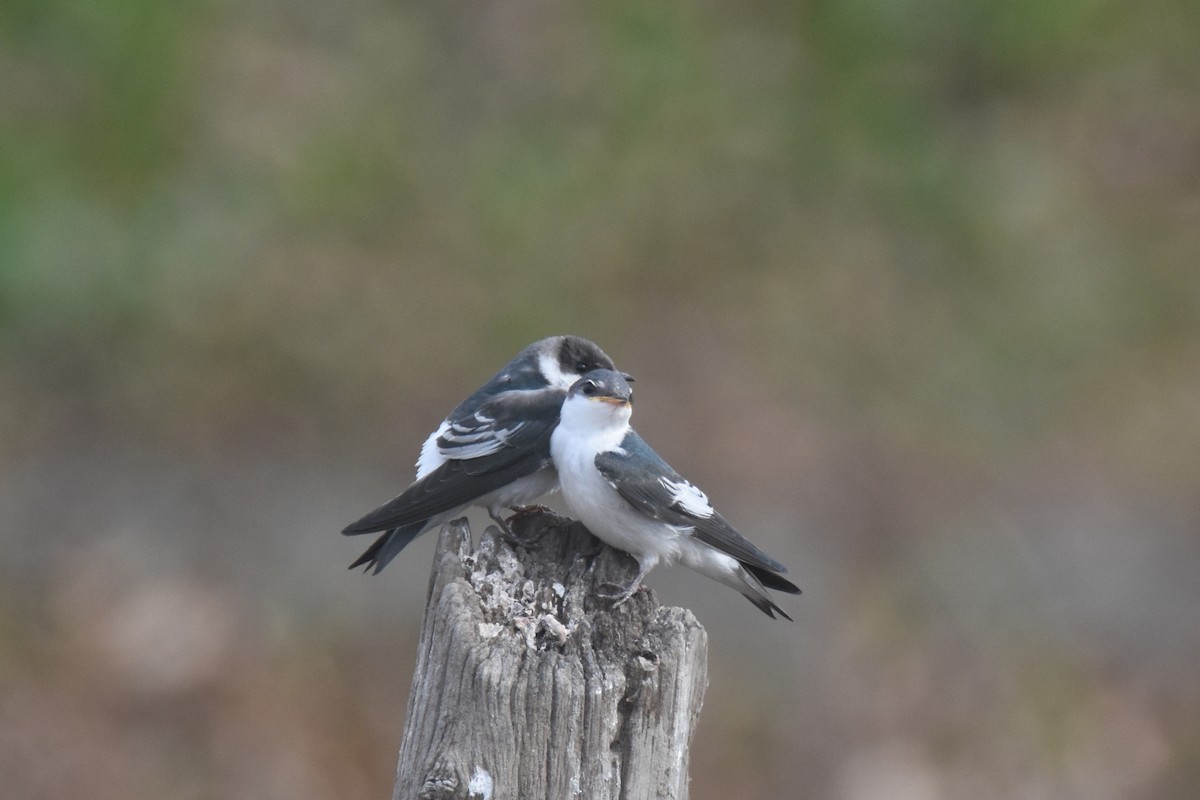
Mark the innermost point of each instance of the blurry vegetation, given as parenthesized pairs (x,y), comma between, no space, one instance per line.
(943,256)
(1002,196)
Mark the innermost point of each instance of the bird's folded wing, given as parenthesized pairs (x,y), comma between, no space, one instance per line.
(650,485)
(510,441)
(501,423)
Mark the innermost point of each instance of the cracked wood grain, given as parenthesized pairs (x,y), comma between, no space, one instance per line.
(529,686)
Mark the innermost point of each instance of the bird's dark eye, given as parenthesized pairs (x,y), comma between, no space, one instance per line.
(589,388)
(582,367)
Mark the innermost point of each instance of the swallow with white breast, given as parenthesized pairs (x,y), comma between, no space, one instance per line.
(631,499)
(492,451)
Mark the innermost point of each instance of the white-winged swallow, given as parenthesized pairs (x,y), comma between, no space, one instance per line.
(630,498)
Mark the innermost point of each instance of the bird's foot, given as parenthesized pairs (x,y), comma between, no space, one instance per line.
(617,594)
(520,512)
(623,594)
(499,519)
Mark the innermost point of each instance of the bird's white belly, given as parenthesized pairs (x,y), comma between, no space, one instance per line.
(609,517)
(523,491)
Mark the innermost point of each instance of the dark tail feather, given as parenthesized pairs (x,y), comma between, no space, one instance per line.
(755,580)
(765,605)
(772,580)
(388,546)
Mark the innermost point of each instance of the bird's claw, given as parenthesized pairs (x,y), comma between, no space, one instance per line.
(616,593)
(520,512)
(505,527)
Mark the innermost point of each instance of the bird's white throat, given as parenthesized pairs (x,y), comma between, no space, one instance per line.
(593,424)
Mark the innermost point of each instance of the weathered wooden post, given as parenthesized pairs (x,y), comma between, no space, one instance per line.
(528,686)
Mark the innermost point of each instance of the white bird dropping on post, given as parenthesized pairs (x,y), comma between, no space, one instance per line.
(630,498)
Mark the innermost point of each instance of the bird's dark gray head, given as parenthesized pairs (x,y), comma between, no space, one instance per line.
(604,385)
(555,362)
(578,356)
(563,359)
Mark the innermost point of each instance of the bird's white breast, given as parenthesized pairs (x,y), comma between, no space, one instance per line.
(592,499)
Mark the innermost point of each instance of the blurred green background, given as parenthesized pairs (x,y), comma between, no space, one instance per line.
(911,288)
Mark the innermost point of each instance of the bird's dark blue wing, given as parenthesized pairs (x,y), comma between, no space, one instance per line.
(517,445)
(484,423)
(650,485)
(477,435)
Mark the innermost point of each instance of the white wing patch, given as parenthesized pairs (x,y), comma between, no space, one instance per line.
(688,497)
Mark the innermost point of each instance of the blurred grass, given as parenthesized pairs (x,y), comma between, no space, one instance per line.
(196,155)
(940,256)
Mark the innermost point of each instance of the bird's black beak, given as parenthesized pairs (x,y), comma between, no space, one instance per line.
(629,378)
